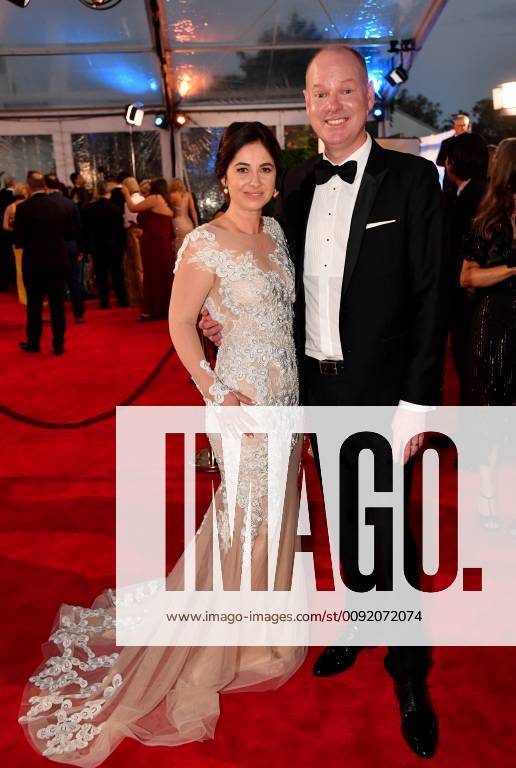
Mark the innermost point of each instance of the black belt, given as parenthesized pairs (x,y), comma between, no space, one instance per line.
(327,367)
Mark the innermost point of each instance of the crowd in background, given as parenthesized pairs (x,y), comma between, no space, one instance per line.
(120,239)
(480,209)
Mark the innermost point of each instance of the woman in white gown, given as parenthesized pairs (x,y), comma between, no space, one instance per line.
(89,694)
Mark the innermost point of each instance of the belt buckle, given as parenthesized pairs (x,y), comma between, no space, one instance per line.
(328,367)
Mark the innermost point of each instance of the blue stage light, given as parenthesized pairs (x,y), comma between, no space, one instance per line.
(379,111)
(160,121)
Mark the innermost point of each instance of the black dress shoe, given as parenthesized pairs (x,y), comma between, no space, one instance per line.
(26,347)
(418,721)
(336,659)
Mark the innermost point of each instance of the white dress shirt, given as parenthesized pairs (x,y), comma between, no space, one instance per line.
(462,186)
(326,243)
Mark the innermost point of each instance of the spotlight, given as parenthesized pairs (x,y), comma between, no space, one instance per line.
(379,111)
(99,5)
(134,114)
(20,3)
(180,119)
(397,76)
(160,121)
(504,98)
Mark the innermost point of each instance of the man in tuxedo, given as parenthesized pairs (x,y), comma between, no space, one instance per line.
(41,228)
(79,194)
(73,245)
(461,124)
(365,232)
(467,163)
(117,196)
(105,237)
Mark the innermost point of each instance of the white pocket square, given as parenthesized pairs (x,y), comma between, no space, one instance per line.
(379,223)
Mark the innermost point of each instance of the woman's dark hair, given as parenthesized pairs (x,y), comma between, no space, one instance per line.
(497,205)
(160,187)
(238,135)
(469,156)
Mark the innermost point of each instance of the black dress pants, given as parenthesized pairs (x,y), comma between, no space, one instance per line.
(107,260)
(401,662)
(38,285)
(7,262)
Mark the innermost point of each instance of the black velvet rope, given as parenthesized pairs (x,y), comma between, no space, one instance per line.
(6,411)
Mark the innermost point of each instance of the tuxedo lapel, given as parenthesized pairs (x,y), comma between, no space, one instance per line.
(374,173)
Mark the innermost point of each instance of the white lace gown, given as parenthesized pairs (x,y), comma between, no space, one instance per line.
(89,694)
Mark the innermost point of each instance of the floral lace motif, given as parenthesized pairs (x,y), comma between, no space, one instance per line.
(252,297)
(218,389)
(73,728)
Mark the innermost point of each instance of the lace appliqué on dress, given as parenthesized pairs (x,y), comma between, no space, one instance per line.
(73,728)
(252,297)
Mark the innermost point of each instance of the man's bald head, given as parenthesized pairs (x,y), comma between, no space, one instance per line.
(343,50)
(338,98)
(35,180)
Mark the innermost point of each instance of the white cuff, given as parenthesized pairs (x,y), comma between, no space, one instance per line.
(416,407)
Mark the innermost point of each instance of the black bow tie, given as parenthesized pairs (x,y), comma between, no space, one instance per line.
(324,171)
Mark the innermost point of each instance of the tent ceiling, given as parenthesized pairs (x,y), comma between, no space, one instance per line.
(57,54)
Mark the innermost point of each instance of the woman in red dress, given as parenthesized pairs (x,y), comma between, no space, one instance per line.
(157,248)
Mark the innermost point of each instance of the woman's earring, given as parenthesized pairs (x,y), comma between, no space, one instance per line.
(275,194)
(225,190)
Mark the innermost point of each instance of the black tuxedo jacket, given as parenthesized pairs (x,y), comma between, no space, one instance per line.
(449,187)
(104,226)
(117,198)
(72,214)
(6,198)
(41,228)
(392,318)
(460,212)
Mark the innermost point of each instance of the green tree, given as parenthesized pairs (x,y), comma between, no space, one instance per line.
(492,125)
(429,112)
(283,69)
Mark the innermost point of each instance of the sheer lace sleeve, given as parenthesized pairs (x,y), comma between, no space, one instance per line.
(195,277)
(200,248)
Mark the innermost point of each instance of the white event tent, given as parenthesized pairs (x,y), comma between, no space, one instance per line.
(68,71)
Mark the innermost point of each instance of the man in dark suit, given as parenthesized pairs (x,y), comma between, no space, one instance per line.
(73,245)
(105,236)
(466,166)
(79,194)
(365,232)
(41,228)
(117,196)
(7,266)
(461,124)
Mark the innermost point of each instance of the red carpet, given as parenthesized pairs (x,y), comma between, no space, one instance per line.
(57,494)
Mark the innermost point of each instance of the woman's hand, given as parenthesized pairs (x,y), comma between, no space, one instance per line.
(239,423)
(237,398)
